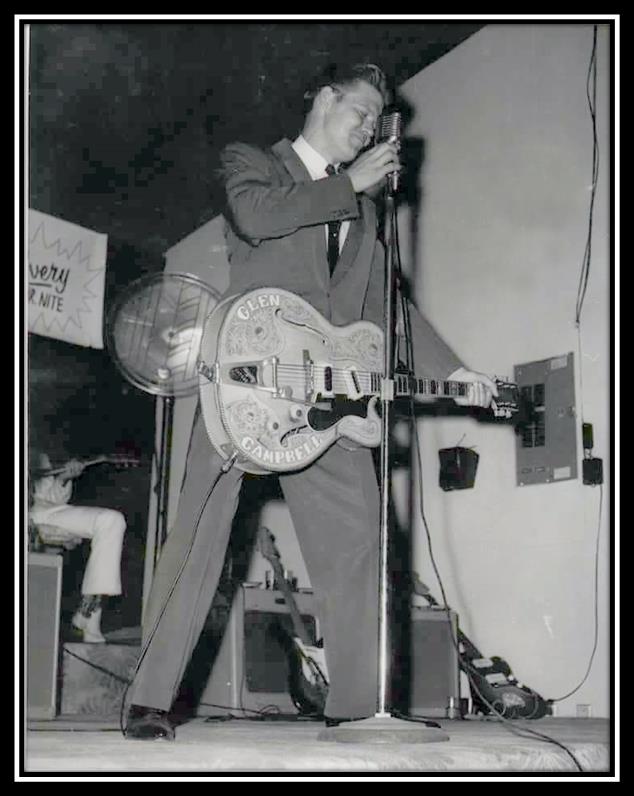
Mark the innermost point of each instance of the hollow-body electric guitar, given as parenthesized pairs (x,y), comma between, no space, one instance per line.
(279,384)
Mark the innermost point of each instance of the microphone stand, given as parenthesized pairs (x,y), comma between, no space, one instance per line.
(383,727)
(387,396)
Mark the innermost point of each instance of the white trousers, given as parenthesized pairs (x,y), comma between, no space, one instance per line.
(105,529)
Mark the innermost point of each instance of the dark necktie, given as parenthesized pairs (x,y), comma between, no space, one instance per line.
(333,231)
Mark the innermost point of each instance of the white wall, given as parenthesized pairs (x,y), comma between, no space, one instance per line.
(496,253)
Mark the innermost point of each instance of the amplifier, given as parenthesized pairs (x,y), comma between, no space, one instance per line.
(44,591)
(251,670)
(427,681)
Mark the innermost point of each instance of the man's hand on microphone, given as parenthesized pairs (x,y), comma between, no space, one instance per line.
(373,165)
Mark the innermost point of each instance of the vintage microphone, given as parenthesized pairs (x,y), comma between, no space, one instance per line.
(389,129)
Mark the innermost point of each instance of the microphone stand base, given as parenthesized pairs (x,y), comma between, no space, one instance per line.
(383,729)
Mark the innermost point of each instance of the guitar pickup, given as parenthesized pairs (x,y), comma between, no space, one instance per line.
(327,379)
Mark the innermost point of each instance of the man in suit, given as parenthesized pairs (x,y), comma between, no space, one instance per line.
(281,203)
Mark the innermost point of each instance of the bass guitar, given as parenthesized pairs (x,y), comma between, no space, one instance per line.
(494,688)
(279,384)
(308,674)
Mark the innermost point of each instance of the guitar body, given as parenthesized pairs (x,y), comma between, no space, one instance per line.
(496,689)
(307,685)
(267,361)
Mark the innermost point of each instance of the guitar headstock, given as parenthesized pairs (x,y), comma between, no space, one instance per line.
(506,403)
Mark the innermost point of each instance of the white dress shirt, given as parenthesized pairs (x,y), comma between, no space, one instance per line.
(316,166)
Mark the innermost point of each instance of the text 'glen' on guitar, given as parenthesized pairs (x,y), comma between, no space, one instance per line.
(279,384)
(308,674)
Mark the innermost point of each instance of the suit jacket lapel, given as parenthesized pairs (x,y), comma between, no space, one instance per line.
(350,247)
(295,167)
(292,162)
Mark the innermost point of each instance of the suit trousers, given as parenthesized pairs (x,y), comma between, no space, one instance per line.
(335,507)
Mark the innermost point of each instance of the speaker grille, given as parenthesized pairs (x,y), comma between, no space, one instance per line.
(44,582)
(250,671)
(266,652)
(434,674)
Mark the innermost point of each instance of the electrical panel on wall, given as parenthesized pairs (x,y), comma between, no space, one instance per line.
(546,444)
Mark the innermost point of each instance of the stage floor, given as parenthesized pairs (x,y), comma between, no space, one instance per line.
(75,745)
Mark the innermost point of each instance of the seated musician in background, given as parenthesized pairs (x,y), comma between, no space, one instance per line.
(51,493)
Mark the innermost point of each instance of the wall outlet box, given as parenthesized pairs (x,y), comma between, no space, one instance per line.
(592,471)
(584,711)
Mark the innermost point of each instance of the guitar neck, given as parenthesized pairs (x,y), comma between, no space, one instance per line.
(411,386)
(405,386)
(86,463)
(296,617)
(367,384)
(122,460)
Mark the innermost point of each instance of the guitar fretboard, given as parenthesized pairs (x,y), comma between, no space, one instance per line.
(341,380)
(405,385)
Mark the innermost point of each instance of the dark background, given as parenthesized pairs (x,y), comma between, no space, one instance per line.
(126,121)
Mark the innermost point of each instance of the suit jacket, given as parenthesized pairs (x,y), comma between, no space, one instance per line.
(275,238)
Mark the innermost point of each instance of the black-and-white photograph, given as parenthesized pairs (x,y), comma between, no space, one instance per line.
(317,400)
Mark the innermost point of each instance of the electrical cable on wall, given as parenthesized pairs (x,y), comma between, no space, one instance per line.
(591,92)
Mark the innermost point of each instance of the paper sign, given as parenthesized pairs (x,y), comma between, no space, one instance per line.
(66,279)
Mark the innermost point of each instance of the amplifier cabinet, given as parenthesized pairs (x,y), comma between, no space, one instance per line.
(429,677)
(251,669)
(44,590)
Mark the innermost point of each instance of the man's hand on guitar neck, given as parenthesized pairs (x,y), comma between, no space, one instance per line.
(482,389)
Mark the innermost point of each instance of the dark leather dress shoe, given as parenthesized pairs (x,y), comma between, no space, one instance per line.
(148,724)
